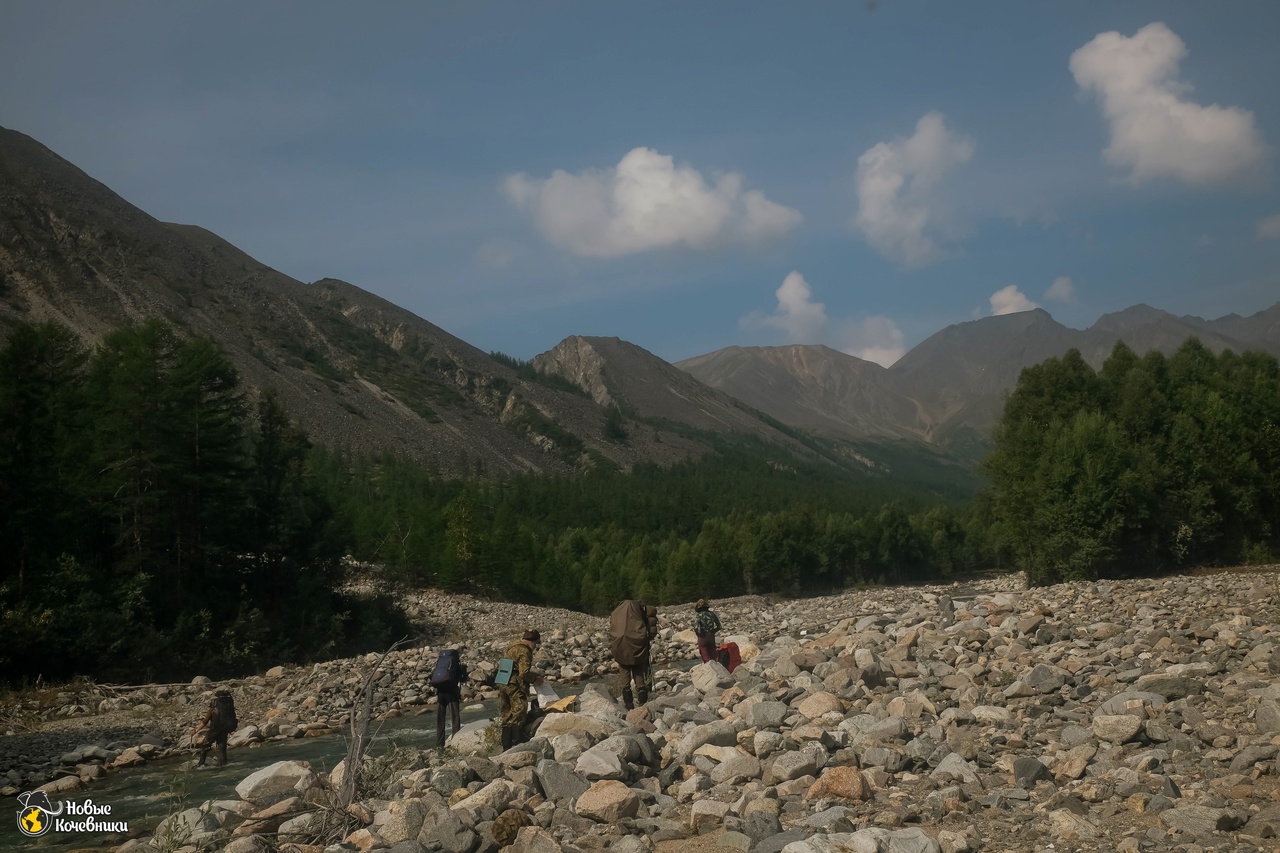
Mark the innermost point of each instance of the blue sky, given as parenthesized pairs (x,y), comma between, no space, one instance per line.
(689,176)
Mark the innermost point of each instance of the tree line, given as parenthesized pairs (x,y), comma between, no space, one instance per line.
(154,522)
(1149,464)
(157,521)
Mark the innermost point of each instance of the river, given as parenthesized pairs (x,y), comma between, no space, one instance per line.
(144,795)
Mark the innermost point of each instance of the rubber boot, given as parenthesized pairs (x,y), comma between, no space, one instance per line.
(626,698)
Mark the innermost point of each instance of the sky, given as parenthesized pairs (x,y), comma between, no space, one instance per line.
(689,176)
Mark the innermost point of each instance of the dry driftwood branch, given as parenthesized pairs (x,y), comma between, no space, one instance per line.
(361,713)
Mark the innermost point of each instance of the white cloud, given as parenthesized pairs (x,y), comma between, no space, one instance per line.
(874,338)
(646,202)
(804,321)
(1063,289)
(1269,228)
(1156,131)
(1010,300)
(898,209)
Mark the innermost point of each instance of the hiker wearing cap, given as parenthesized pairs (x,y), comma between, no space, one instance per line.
(705,625)
(513,697)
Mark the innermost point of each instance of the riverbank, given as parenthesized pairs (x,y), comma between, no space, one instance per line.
(1121,715)
(79,732)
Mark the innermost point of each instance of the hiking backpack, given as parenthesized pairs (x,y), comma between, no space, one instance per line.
(705,622)
(224,713)
(446,670)
(629,633)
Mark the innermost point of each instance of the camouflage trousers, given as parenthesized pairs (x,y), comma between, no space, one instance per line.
(641,675)
(513,705)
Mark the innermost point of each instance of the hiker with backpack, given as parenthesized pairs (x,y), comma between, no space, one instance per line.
(632,627)
(513,694)
(705,625)
(219,722)
(447,677)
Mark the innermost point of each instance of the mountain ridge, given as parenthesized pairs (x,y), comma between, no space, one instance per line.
(361,372)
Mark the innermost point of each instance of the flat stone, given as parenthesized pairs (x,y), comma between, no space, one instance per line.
(608,801)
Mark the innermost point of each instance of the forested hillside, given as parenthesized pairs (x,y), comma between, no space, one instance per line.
(156,520)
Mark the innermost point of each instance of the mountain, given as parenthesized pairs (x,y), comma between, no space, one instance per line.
(615,372)
(814,388)
(948,391)
(358,371)
(362,373)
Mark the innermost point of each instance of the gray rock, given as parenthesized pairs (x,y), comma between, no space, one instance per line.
(559,782)
(793,765)
(1198,821)
(1267,718)
(767,715)
(1028,771)
(444,830)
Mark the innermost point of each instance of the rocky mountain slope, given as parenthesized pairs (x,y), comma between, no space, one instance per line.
(358,371)
(363,373)
(619,373)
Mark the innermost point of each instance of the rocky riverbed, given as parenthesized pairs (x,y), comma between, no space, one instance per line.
(1123,715)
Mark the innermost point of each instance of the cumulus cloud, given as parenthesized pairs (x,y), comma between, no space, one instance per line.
(1010,300)
(873,338)
(898,209)
(646,202)
(797,314)
(1157,131)
(1063,289)
(1269,228)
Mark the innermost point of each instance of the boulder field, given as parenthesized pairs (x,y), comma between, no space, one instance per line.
(1113,716)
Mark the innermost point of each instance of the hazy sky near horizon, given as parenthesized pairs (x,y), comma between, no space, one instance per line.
(689,176)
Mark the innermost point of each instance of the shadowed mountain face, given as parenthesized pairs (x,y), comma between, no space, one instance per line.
(364,374)
(814,388)
(618,373)
(358,371)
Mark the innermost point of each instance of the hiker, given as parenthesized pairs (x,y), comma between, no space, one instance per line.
(632,627)
(705,625)
(513,697)
(219,722)
(447,678)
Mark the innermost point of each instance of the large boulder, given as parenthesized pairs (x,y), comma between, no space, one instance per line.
(276,782)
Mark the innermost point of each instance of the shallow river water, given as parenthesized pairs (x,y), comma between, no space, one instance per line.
(144,795)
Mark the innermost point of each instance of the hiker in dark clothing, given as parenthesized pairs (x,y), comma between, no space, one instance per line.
(705,625)
(219,722)
(447,678)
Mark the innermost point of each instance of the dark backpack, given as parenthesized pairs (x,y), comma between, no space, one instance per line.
(224,713)
(446,672)
(705,622)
